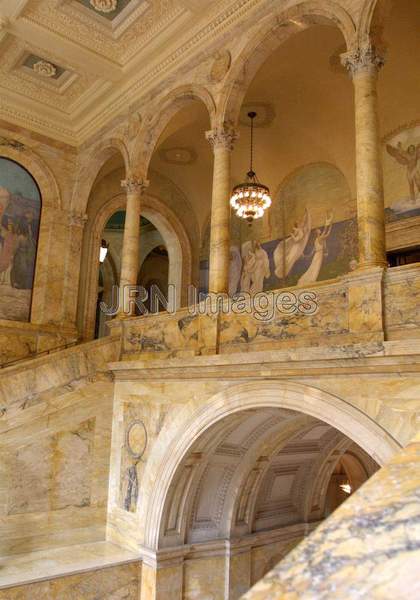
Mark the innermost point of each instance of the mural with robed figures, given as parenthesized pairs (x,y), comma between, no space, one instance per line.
(20,209)
(309,234)
(401,159)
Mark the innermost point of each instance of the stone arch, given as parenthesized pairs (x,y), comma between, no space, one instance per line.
(159,117)
(51,205)
(90,163)
(270,32)
(371,22)
(344,417)
(172,231)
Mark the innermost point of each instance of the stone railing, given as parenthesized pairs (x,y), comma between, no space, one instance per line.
(38,380)
(368,548)
(19,341)
(349,310)
(402,302)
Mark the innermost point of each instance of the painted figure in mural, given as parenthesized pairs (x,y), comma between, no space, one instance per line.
(256,267)
(288,251)
(319,252)
(10,240)
(235,268)
(24,259)
(262,269)
(132,488)
(410,158)
(248,266)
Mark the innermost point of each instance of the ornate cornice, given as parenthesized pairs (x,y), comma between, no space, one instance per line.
(363,59)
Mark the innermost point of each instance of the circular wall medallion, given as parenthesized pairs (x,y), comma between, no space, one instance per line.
(178,156)
(136,439)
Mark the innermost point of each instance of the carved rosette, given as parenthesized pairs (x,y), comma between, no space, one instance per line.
(135,185)
(44,68)
(363,59)
(104,6)
(222,137)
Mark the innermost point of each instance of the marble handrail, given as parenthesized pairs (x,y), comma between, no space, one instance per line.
(368,548)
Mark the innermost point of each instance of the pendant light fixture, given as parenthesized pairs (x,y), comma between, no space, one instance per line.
(251,198)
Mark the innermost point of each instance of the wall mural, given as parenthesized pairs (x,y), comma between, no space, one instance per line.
(20,209)
(401,158)
(309,234)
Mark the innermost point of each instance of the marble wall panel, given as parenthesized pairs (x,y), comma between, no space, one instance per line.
(112,583)
(54,473)
(55,436)
(204,578)
(402,304)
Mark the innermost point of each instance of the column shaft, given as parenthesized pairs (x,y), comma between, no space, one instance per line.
(222,142)
(131,239)
(364,65)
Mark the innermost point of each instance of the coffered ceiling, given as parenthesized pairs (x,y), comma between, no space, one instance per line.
(66,64)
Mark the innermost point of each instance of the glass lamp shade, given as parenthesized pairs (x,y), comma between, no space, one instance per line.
(103,251)
(250,200)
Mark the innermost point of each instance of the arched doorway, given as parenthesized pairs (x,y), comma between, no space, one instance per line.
(154,260)
(253,470)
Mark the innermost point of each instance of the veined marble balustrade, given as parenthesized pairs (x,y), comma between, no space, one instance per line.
(363,307)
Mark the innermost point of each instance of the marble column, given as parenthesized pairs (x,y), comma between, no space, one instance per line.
(221,139)
(77,222)
(130,262)
(364,64)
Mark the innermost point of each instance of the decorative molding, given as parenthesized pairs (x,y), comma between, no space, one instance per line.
(45,68)
(363,59)
(9,143)
(222,137)
(135,184)
(77,219)
(104,6)
(221,66)
(178,156)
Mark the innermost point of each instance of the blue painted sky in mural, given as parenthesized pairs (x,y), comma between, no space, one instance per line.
(18,181)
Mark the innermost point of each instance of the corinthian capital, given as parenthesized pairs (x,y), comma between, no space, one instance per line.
(223,136)
(77,219)
(134,183)
(362,59)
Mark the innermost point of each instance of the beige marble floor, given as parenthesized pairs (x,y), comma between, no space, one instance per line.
(39,566)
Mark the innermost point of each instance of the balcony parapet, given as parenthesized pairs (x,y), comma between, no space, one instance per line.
(363,307)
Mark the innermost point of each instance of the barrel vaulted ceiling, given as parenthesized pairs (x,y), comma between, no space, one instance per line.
(68,66)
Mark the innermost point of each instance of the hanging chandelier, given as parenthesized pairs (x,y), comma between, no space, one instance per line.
(251,198)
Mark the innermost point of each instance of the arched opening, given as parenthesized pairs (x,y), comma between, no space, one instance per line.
(180,170)
(251,471)
(106,217)
(255,481)
(303,132)
(154,274)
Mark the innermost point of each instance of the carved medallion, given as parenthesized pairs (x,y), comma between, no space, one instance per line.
(221,66)
(136,439)
(44,68)
(104,6)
